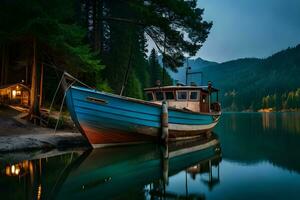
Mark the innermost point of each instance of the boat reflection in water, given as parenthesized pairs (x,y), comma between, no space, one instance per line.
(133,171)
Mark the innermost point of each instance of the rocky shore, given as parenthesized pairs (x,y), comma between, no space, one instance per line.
(18,135)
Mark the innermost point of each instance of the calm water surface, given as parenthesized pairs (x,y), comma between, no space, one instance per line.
(259,158)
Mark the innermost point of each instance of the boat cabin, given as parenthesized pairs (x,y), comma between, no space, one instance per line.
(192,98)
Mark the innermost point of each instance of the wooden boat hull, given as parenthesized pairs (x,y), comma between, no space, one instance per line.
(107,119)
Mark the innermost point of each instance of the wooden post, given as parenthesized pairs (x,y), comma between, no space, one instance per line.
(209,85)
(165,163)
(166,171)
(210,171)
(41,85)
(164,122)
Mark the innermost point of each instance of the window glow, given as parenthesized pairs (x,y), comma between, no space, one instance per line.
(14,93)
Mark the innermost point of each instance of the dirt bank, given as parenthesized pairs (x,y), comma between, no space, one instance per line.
(18,135)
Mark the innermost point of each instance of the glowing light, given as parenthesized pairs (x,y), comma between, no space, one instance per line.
(7,171)
(12,169)
(17,171)
(39,192)
(14,93)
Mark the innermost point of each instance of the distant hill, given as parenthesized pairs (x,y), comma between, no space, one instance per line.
(251,83)
(196,65)
(246,83)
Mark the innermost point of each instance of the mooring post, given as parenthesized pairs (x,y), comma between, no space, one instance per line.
(166,170)
(164,122)
(165,163)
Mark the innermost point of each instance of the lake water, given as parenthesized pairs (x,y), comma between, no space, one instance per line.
(257,157)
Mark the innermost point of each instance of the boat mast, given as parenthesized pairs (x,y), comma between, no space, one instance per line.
(188,73)
(127,71)
(164,63)
(187,70)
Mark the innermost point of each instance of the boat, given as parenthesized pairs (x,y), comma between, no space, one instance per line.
(171,113)
(115,172)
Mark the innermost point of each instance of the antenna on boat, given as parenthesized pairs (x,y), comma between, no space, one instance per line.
(187,73)
(187,70)
(164,62)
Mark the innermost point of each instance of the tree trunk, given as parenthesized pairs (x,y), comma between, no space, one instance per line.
(34,103)
(2,64)
(6,62)
(101,26)
(96,24)
(4,69)
(26,74)
(88,14)
(41,85)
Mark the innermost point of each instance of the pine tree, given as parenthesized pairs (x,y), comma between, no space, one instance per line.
(157,72)
(48,29)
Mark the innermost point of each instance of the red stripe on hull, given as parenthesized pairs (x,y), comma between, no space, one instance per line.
(102,136)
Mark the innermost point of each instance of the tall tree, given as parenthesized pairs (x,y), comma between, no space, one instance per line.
(156,71)
(175,26)
(58,38)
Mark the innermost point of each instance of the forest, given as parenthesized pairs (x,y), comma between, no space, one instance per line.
(103,43)
(251,84)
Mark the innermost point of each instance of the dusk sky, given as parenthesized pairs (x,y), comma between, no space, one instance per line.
(249,28)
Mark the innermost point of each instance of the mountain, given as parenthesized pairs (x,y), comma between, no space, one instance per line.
(196,65)
(252,83)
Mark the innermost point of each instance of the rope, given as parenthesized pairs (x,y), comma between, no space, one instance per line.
(75,79)
(52,102)
(61,106)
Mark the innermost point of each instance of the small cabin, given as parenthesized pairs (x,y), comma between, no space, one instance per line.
(192,98)
(15,94)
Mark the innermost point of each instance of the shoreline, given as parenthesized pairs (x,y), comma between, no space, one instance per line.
(17,134)
(45,141)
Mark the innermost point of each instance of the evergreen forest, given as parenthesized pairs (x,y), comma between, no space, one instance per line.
(103,43)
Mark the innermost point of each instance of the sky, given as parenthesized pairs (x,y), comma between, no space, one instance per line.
(249,28)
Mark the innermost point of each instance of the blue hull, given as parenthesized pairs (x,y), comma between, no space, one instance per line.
(108,119)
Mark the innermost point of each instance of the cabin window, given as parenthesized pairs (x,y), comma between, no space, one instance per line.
(159,96)
(182,95)
(194,95)
(169,95)
(149,96)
